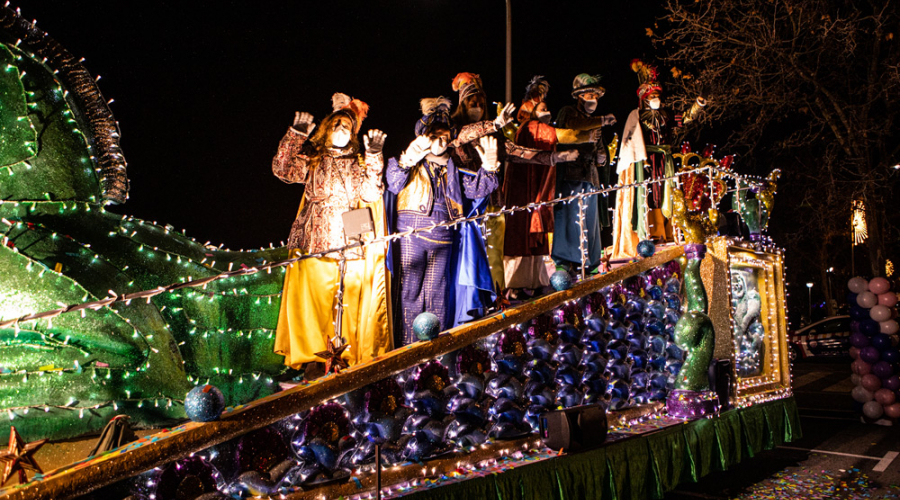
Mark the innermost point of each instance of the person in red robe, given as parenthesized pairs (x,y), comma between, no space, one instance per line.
(527,240)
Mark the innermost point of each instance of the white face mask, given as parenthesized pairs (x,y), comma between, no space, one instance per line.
(438,147)
(654,103)
(590,105)
(544,117)
(475,114)
(340,138)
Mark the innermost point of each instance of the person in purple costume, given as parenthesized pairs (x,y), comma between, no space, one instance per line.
(430,190)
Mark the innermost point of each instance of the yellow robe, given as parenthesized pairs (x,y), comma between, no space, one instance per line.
(308,305)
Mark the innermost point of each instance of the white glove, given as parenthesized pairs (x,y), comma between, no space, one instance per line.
(609,120)
(487,150)
(506,116)
(374,141)
(564,156)
(303,123)
(418,148)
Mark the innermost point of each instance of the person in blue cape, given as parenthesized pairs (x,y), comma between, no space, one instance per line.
(431,189)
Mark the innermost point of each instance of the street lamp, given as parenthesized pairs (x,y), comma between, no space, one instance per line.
(508,51)
(810,285)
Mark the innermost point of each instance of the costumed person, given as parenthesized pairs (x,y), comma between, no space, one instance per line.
(527,235)
(338,180)
(480,266)
(647,142)
(430,190)
(588,173)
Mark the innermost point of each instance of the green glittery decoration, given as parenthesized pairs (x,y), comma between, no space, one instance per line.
(18,139)
(694,333)
(753,211)
(138,358)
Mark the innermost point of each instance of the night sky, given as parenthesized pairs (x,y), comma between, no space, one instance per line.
(205,90)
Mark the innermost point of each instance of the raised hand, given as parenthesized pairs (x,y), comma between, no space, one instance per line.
(609,120)
(374,141)
(506,116)
(417,150)
(303,123)
(487,150)
(564,156)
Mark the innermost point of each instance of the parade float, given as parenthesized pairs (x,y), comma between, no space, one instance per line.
(682,349)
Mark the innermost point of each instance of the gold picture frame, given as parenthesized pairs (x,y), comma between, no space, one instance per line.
(758,323)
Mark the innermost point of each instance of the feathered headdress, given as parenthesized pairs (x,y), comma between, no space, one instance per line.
(358,110)
(647,78)
(433,109)
(537,89)
(467,84)
(587,83)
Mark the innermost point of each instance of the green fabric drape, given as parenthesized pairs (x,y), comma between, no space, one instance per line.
(645,466)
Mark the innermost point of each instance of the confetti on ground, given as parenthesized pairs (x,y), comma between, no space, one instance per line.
(817,484)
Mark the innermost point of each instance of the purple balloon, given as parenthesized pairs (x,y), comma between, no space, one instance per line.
(880,341)
(869,354)
(891,355)
(858,313)
(892,383)
(854,327)
(869,327)
(882,369)
(859,340)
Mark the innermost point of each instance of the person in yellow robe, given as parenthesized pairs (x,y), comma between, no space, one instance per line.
(337,179)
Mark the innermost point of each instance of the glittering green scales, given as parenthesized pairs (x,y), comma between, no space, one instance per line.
(69,375)
(694,333)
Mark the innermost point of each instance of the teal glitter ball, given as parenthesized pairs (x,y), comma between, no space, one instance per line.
(204,403)
(560,280)
(426,326)
(646,248)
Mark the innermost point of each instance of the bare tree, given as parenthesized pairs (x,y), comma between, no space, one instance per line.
(810,85)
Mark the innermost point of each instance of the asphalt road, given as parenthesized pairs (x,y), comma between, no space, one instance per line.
(838,457)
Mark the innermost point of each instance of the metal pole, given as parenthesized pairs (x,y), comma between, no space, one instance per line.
(378,471)
(508,51)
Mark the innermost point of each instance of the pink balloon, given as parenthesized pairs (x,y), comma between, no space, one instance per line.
(893,410)
(866,300)
(871,382)
(860,367)
(885,396)
(873,410)
(888,299)
(858,285)
(879,285)
(889,327)
(855,379)
(854,352)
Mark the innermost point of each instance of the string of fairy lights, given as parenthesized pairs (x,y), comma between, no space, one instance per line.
(147,295)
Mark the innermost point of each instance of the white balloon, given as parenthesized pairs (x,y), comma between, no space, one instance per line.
(889,327)
(873,409)
(861,394)
(858,285)
(880,313)
(866,300)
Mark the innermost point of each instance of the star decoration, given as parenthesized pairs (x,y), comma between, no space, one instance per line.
(333,357)
(19,457)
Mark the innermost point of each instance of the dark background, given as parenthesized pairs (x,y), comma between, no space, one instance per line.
(205,90)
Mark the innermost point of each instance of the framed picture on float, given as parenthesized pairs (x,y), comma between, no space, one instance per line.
(758,323)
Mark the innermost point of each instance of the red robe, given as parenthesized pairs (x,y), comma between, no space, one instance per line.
(524,183)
